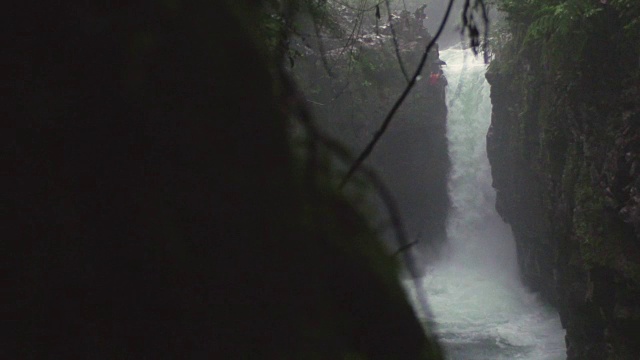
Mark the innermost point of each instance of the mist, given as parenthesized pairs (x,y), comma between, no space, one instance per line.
(480,308)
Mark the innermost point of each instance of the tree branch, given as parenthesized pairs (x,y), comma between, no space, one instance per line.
(396,106)
(395,42)
(403,248)
(316,137)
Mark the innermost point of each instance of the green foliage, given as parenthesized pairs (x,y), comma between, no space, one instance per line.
(563,21)
(556,22)
(561,29)
(629,13)
(553,140)
(588,220)
(570,170)
(599,234)
(518,11)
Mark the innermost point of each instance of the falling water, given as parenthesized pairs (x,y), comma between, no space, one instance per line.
(480,309)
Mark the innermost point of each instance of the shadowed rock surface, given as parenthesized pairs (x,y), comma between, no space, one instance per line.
(563,146)
(158,207)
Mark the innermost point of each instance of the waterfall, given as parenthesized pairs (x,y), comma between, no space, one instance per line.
(480,308)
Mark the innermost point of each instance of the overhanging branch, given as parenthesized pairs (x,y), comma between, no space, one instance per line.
(395,42)
(367,151)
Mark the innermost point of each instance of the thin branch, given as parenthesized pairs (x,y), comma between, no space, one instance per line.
(395,42)
(315,102)
(323,54)
(381,189)
(465,19)
(404,248)
(317,137)
(396,106)
(390,204)
(354,34)
(470,25)
(485,17)
(362,9)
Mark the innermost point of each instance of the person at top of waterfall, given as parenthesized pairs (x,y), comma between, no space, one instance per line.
(436,76)
(420,16)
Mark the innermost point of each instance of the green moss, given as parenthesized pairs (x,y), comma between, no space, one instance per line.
(599,235)
(570,169)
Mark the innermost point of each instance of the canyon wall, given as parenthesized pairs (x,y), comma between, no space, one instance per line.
(564,146)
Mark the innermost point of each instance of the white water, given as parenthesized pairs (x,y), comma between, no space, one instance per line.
(481,309)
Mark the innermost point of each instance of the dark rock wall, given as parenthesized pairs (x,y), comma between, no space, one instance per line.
(564,146)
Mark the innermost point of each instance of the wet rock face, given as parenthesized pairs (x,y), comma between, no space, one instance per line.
(518,198)
(566,167)
(621,180)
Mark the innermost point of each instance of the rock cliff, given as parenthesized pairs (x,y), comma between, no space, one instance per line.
(564,146)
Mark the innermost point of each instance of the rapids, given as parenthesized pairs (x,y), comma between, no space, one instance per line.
(479,308)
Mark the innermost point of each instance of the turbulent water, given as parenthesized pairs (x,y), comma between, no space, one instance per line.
(480,309)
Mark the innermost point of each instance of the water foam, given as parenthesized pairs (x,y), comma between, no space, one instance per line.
(481,309)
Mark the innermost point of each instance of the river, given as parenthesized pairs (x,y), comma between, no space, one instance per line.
(479,307)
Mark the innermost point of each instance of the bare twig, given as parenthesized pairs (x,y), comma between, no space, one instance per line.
(469,25)
(323,55)
(396,106)
(359,9)
(355,31)
(381,189)
(395,42)
(404,248)
(410,261)
(315,102)
(485,18)
(316,137)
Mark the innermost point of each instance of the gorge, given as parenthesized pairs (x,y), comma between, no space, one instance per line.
(174,181)
(480,308)
(563,145)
